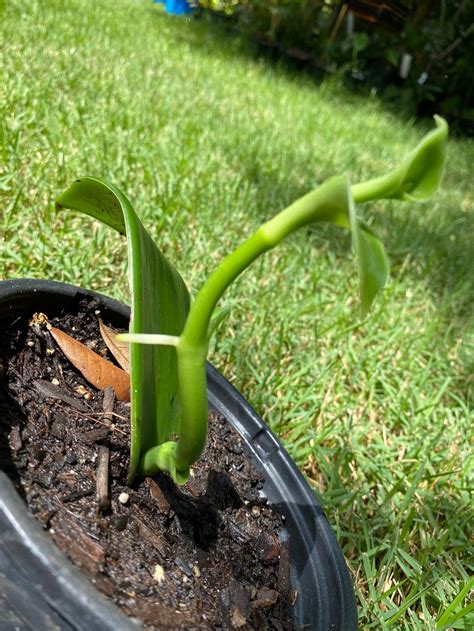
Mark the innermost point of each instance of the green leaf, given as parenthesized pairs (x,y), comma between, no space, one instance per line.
(424,169)
(371,257)
(160,301)
(417,178)
(160,304)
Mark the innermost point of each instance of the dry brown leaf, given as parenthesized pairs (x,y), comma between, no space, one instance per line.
(98,371)
(120,350)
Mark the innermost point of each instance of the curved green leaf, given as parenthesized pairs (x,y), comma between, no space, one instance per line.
(371,258)
(417,178)
(423,171)
(160,303)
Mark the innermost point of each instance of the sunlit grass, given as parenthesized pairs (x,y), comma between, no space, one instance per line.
(207,141)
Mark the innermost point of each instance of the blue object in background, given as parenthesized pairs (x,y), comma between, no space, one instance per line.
(178,7)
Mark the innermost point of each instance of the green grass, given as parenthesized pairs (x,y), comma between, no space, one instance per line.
(207,140)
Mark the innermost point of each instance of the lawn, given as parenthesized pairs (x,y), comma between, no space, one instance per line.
(208,140)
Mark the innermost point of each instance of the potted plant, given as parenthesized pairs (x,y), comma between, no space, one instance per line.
(170,383)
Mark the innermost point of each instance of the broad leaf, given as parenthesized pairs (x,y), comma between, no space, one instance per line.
(160,303)
(338,207)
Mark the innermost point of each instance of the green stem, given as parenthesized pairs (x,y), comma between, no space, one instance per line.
(327,203)
(378,188)
(193,346)
(415,179)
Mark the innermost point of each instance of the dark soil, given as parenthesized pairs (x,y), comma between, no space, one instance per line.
(210,554)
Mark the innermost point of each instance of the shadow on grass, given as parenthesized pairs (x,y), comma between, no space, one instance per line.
(215,34)
(398,99)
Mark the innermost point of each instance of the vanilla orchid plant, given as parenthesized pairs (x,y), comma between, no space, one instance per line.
(169,334)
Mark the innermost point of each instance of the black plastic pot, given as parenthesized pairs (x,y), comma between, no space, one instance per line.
(39,587)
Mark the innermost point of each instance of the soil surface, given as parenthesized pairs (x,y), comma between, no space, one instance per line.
(207,555)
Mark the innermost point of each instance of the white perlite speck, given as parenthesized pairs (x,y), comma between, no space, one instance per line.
(159,574)
(123,498)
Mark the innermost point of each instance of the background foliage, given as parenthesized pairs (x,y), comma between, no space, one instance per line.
(439,36)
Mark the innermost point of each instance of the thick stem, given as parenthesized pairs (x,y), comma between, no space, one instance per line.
(193,347)
(378,188)
(327,203)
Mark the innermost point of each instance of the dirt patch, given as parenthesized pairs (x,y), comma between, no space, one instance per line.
(210,554)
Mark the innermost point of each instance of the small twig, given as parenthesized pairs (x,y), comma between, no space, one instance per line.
(102,482)
(51,391)
(44,517)
(126,419)
(108,404)
(77,495)
(89,417)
